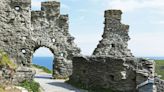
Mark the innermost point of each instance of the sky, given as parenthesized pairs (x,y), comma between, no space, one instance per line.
(86,18)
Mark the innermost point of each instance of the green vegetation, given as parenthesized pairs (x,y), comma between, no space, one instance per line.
(31,86)
(160,68)
(2,89)
(5,60)
(43,68)
(82,86)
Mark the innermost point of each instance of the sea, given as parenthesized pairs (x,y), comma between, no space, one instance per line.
(43,61)
(48,61)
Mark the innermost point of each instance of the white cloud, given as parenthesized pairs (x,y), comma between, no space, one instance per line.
(74,0)
(43,52)
(132,5)
(36,4)
(160,22)
(65,8)
(147,44)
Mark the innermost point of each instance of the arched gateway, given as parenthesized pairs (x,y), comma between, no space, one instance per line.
(23,31)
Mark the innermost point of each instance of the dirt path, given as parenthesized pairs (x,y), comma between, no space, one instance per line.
(51,85)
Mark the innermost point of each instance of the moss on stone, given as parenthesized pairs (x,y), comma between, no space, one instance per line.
(5,61)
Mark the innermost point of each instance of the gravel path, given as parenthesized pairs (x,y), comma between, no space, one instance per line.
(52,85)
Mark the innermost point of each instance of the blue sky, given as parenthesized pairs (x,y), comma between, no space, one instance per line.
(145,18)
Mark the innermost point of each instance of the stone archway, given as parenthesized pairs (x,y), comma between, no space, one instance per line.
(43,56)
(24,30)
(62,66)
(50,29)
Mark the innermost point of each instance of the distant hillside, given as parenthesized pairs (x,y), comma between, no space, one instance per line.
(160,68)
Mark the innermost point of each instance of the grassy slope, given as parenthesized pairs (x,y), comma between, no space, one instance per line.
(159,65)
(43,68)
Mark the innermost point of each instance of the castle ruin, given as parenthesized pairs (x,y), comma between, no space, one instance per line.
(112,64)
(22,31)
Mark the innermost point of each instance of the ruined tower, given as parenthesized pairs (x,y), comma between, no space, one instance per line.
(112,65)
(115,36)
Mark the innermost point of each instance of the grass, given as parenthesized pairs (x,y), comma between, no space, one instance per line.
(31,86)
(160,68)
(43,68)
(5,61)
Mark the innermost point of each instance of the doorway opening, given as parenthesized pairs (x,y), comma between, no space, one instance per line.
(43,61)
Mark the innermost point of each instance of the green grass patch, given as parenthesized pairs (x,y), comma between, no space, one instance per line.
(2,88)
(160,68)
(5,61)
(43,68)
(84,87)
(31,86)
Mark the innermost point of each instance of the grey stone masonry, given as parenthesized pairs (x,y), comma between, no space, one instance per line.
(115,36)
(112,65)
(160,84)
(126,74)
(50,29)
(107,72)
(23,31)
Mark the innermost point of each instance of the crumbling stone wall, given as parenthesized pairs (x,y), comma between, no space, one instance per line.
(50,29)
(22,31)
(14,26)
(119,74)
(111,72)
(115,36)
(159,84)
(112,65)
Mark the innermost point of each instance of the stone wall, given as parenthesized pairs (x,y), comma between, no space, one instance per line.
(118,74)
(159,84)
(15,25)
(50,29)
(23,73)
(115,36)
(22,31)
(105,72)
(112,65)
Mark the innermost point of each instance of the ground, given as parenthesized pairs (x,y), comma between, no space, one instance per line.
(52,85)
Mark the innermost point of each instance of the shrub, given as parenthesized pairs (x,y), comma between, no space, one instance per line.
(31,86)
